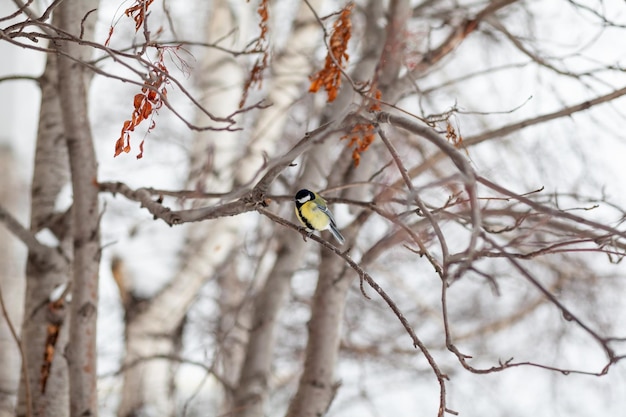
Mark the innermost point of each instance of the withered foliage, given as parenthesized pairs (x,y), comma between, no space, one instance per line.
(154,91)
(138,12)
(329,77)
(363,134)
(261,45)
(52,336)
(145,104)
(454,138)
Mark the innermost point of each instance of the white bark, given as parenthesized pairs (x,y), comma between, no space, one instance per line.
(291,70)
(12,257)
(146,383)
(254,387)
(317,386)
(209,244)
(51,173)
(81,352)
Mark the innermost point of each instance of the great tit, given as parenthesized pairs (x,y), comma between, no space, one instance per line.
(313,213)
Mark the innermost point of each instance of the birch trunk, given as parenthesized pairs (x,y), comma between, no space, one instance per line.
(291,69)
(82,353)
(153,331)
(148,380)
(12,256)
(12,198)
(51,174)
(215,161)
(317,386)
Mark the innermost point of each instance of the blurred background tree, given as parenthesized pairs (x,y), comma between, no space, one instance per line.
(470,151)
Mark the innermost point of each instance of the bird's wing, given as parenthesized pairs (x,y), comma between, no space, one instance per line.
(329,214)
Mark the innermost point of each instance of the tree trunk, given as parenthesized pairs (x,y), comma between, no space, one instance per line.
(209,244)
(12,256)
(51,173)
(45,328)
(82,353)
(291,69)
(317,386)
(149,374)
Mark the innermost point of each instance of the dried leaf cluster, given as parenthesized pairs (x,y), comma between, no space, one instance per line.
(329,77)
(145,104)
(261,45)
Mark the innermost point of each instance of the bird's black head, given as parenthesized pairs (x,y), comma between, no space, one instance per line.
(303,196)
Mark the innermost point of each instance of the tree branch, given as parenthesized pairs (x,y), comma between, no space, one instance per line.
(441,377)
(469,180)
(564,112)
(43,255)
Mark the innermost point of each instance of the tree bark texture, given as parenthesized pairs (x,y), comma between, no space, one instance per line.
(82,353)
(317,386)
(291,68)
(209,244)
(253,389)
(12,256)
(51,174)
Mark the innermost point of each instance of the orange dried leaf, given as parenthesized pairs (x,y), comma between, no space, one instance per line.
(315,86)
(146,103)
(375,102)
(119,146)
(140,154)
(146,110)
(356,157)
(255,79)
(360,138)
(138,100)
(52,335)
(330,75)
(332,93)
(138,12)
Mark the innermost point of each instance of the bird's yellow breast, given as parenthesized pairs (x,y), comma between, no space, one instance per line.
(312,217)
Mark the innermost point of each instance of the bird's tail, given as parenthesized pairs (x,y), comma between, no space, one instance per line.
(336,234)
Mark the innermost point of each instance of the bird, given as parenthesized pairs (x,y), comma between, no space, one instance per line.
(313,213)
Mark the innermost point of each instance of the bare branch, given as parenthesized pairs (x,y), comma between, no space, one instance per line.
(466,170)
(19,78)
(43,255)
(551,211)
(418,201)
(454,39)
(564,112)
(20,346)
(441,377)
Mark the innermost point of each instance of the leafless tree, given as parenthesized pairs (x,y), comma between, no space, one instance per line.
(469,250)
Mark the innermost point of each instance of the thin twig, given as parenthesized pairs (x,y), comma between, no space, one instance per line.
(20,346)
(42,254)
(441,377)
